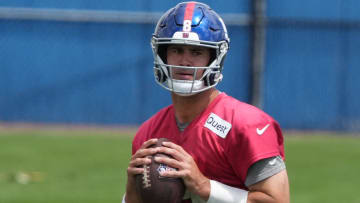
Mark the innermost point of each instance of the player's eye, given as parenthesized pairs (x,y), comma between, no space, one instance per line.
(175,50)
(196,53)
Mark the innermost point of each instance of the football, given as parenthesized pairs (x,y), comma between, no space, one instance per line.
(153,188)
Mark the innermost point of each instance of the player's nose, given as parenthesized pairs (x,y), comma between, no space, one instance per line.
(185,59)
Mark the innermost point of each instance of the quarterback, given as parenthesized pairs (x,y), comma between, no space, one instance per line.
(226,151)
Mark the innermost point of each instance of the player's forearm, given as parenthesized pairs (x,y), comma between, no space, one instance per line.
(260,197)
(273,189)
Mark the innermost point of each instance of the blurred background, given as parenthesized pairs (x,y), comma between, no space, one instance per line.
(75,75)
(90,62)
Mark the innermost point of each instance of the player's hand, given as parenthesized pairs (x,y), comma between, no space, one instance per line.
(139,158)
(188,170)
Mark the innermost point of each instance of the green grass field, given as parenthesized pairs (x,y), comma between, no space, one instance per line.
(78,166)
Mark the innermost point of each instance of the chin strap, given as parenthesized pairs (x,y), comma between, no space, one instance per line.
(185,87)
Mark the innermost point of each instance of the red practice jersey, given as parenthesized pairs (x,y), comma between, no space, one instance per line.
(224,140)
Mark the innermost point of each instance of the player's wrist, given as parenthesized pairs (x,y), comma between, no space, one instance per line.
(203,189)
(221,193)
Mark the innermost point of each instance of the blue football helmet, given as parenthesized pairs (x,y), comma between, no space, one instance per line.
(190,23)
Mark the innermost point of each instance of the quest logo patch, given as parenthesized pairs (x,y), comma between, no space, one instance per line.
(217,125)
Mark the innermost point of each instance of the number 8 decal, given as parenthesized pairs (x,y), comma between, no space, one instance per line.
(187,26)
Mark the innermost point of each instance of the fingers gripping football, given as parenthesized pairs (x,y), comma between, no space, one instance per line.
(151,185)
(194,180)
(141,157)
(181,160)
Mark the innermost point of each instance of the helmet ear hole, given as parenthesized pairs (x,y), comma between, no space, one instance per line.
(213,56)
(210,79)
(162,52)
(160,75)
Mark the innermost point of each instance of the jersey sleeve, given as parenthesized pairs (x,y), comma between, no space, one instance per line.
(257,140)
(263,169)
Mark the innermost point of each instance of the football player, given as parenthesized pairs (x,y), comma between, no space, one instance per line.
(225,150)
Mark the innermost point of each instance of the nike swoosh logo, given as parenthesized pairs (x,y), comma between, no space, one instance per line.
(261,131)
(272,162)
